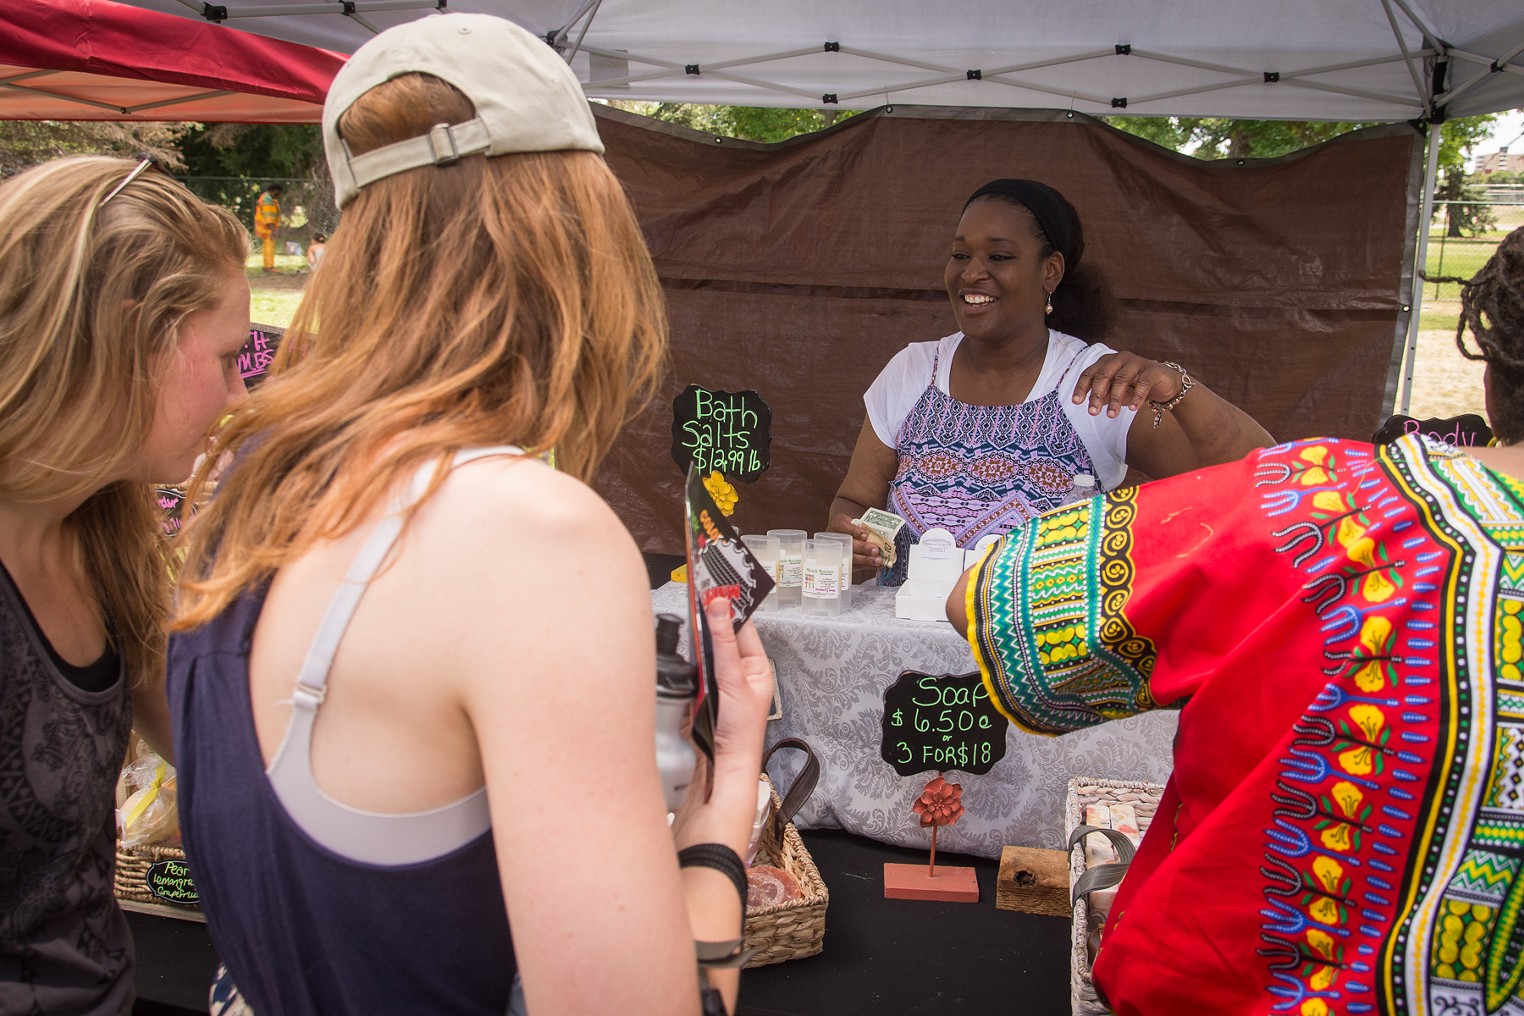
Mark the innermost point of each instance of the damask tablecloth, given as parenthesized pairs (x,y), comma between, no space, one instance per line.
(832,673)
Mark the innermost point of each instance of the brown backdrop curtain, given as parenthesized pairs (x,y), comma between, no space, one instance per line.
(799,269)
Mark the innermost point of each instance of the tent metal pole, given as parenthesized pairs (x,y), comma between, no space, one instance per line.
(1430,171)
(592,12)
(1408,59)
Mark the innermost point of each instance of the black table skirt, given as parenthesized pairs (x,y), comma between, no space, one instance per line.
(881,957)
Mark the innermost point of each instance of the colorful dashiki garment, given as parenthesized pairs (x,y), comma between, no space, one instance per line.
(1344,829)
(980,470)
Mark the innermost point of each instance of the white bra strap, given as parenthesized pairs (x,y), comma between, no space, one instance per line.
(312,681)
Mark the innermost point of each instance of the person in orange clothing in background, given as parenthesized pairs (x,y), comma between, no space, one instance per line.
(267,221)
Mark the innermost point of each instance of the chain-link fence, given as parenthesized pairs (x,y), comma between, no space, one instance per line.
(306,206)
(1464,234)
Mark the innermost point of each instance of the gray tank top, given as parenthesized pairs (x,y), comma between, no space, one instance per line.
(64,945)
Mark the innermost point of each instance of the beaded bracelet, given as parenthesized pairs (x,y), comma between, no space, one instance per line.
(1186,384)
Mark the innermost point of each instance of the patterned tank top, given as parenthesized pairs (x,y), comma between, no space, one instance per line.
(981,470)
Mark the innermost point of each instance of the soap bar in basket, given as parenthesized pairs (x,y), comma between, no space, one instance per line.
(767,886)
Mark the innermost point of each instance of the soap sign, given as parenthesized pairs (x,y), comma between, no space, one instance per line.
(941,722)
(171,881)
(725,431)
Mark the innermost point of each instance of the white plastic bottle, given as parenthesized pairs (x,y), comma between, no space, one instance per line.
(1082,488)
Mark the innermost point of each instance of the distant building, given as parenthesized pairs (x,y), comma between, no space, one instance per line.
(1500,162)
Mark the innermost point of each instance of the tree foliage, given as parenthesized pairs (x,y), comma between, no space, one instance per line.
(255,151)
(1220,138)
(748,123)
(231,163)
(25,143)
(1215,138)
(1466,212)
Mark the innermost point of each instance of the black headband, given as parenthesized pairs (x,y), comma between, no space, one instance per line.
(1055,216)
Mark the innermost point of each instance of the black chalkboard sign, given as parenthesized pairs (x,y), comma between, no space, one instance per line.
(932,723)
(1466,431)
(171,881)
(172,503)
(255,355)
(726,431)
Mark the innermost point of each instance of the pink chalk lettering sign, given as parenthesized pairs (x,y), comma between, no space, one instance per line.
(256,355)
(1466,431)
(172,503)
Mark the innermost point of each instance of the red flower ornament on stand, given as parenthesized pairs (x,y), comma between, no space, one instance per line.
(940,804)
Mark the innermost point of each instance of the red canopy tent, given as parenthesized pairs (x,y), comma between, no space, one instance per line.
(98,60)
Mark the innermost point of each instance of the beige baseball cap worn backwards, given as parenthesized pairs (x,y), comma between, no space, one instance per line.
(527,99)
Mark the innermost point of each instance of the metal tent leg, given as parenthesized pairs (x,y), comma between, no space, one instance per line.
(1430,170)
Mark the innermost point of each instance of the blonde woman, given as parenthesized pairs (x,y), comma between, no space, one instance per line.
(414,696)
(122,308)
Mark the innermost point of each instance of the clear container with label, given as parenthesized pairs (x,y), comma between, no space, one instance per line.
(846,565)
(790,565)
(821,589)
(765,550)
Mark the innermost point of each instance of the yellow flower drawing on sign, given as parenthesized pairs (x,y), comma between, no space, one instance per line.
(724,493)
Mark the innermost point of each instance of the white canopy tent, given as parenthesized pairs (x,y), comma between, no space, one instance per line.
(1348,60)
(1265,59)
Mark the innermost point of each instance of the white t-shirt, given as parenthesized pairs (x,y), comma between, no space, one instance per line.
(900,384)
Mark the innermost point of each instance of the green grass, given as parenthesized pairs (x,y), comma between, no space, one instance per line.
(273,307)
(1460,257)
(273,297)
(1440,318)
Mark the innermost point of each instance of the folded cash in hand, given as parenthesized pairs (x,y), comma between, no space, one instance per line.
(881,528)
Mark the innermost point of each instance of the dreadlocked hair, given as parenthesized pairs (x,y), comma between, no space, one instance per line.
(1492,306)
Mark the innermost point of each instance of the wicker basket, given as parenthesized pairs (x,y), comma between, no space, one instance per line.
(133,865)
(796,928)
(1083,790)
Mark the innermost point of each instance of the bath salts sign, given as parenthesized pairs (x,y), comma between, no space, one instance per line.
(725,431)
(933,723)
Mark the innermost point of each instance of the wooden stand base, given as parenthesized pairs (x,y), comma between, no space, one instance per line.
(1033,881)
(911,882)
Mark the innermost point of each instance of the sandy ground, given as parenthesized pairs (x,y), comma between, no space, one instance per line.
(1444,382)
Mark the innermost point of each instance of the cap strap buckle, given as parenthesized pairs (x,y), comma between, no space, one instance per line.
(443,145)
(438,135)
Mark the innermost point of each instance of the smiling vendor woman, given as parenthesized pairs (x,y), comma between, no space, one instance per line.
(986,428)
